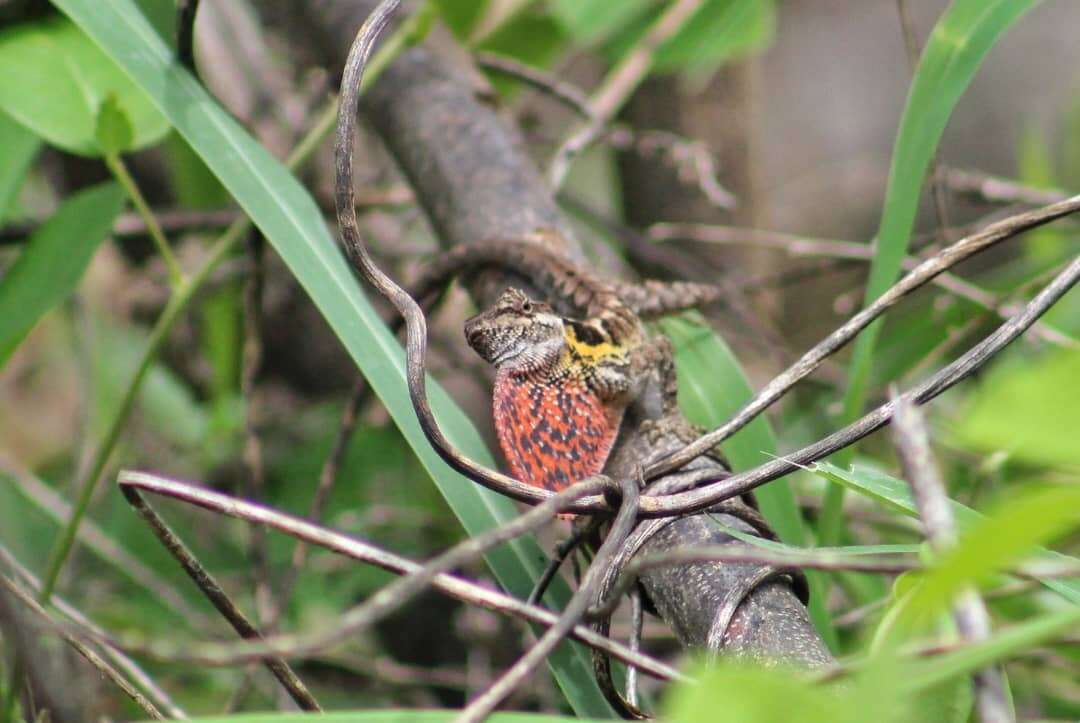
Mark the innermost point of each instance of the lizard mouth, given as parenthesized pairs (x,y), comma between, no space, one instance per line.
(476,338)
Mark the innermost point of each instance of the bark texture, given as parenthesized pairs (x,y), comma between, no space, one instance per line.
(474,181)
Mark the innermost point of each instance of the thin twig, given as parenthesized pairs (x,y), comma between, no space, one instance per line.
(122,661)
(567,93)
(327,479)
(562,551)
(692,159)
(619,84)
(932,502)
(219,598)
(103,666)
(358,550)
(181,220)
(924,272)
(388,670)
(637,620)
(266,607)
(382,603)
(119,169)
(575,609)
(98,541)
(937,188)
(716,491)
(800,246)
(995,189)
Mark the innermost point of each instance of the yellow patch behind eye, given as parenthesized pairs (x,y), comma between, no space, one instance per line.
(592,352)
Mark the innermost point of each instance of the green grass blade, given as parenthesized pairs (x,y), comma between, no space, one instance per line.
(995,543)
(293,223)
(53,261)
(1001,646)
(56,80)
(18,147)
(962,37)
(712,387)
(895,494)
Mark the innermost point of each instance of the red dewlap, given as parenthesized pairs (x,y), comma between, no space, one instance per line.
(553,434)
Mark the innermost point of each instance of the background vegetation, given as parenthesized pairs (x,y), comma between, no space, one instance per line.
(179,341)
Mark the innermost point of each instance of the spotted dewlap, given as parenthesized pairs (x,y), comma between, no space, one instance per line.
(553,434)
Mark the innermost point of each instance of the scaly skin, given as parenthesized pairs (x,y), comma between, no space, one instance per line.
(562,384)
(573,290)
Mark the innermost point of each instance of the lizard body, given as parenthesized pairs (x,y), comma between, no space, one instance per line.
(573,290)
(561,388)
(562,384)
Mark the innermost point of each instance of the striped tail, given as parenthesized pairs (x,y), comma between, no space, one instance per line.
(652,299)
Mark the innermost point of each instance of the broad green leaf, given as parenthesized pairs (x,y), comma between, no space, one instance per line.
(993,544)
(462,15)
(162,17)
(730,692)
(1003,645)
(18,146)
(959,42)
(1029,408)
(712,387)
(592,21)
(113,130)
(53,261)
(55,80)
(529,37)
(719,31)
(896,494)
(286,214)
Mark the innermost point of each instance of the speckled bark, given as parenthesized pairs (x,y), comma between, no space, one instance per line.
(474,182)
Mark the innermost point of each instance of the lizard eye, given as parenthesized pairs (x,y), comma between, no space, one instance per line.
(526,307)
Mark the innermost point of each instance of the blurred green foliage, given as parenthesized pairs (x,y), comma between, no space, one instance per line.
(107,83)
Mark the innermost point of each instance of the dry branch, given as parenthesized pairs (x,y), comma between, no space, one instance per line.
(358,550)
(955,372)
(923,273)
(932,502)
(103,666)
(220,599)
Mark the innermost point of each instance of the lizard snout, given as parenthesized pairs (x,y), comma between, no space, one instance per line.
(472,331)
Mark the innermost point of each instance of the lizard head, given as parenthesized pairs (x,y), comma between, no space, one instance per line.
(518,334)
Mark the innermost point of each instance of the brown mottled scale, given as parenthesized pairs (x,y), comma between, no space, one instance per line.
(557,423)
(553,434)
(567,284)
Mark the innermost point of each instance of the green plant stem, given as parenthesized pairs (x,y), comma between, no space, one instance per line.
(411,32)
(88,483)
(116,165)
(179,300)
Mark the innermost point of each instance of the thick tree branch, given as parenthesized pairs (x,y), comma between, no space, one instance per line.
(474,181)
